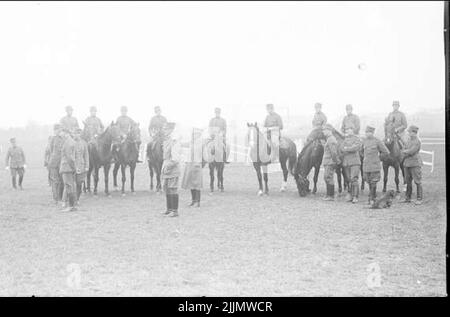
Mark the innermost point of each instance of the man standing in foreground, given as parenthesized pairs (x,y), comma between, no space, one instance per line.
(372,148)
(15,162)
(350,147)
(330,160)
(67,169)
(413,165)
(81,162)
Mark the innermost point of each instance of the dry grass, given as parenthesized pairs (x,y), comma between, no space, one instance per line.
(235,244)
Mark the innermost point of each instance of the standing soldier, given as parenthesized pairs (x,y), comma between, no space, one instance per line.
(372,148)
(350,119)
(413,165)
(54,163)
(47,158)
(192,177)
(157,122)
(398,119)
(81,162)
(69,122)
(218,128)
(93,124)
(170,172)
(351,162)
(67,169)
(15,162)
(330,160)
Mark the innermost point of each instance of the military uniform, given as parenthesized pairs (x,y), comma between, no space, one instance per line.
(170,173)
(53,167)
(125,123)
(67,169)
(15,159)
(351,120)
(81,164)
(156,124)
(398,119)
(318,122)
(273,120)
(94,126)
(371,150)
(330,161)
(412,165)
(193,176)
(351,162)
(70,123)
(220,124)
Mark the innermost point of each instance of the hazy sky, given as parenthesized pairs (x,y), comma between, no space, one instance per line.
(190,57)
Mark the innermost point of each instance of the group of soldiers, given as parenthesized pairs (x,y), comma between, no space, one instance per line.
(67,159)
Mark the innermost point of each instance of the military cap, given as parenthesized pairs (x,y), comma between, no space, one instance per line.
(328,127)
(93,108)
(318,104)
(413,128)
(269,105)
(123,108)
(69,108)
(370,129)
(218,109)
(348,106)
(396,103)
(12,139)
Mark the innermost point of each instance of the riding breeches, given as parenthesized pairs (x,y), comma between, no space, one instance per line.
(352,173)
(413,173)
(69,187)
(328,174)
(170,185)
(56,182)
(372,177)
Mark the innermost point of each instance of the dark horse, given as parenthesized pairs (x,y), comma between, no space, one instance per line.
(260,154)
(100,155)
(215,154)
(395,158)
(154,155)
(311,157)
(128,154)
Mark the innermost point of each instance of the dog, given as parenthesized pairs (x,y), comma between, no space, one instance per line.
(385,201)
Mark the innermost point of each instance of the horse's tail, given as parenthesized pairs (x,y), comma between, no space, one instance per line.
(292,158)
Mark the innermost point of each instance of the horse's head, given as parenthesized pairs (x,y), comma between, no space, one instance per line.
(302,185)
(253,134)
(112,133)
(134,133)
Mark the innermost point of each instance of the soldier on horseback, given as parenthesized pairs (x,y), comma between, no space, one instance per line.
(69,122)
(125,124)
(218,129)
(398,120)
(93,125)
(273,122)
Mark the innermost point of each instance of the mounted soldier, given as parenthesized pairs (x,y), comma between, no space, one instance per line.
(398,120)
(69,122)
(157,122)
(218,129)
(125,124)
(93,125)
(274,124)
(350,120)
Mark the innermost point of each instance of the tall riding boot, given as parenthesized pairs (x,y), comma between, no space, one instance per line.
(168,205)
(174,212)
(198,197)
(327,196)
(194,197)
(349,196)
(20,181)
(408,193)
(419,194)
(355,192)
(332,192)
(13,179)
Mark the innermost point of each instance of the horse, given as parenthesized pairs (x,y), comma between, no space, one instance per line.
(214,155)
(259,151)
(128,154)
(395,158)
(311,157)
(154,156)
(100,155)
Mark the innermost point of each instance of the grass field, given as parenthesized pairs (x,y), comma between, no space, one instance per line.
(235,244)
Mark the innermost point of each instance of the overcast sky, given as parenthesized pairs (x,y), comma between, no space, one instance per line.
(190,57)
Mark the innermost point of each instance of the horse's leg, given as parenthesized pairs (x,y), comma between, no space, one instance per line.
(257,168)
(220,171)
(316,177)
(266,180)
(132,169)
(285,173)
(123,170)
(339,178)
(397,181)
(115,171)
(151,175)
(362,177)
(211,177)
(158,178)
(385,175)
(106,168)
(88,179)
(96,171)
